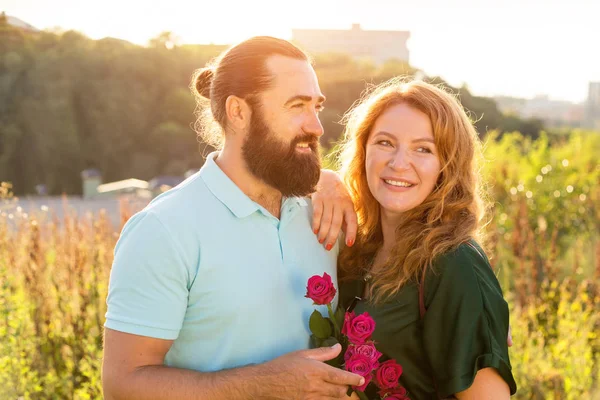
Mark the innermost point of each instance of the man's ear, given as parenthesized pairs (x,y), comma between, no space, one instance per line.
(238,113)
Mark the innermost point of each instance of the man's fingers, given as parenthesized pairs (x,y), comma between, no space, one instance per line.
(509,340)
(322,353)
(334,231)
(317,212)
(332,391)
(350,226)
(341,377)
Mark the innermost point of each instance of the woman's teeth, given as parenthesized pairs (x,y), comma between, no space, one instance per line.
(398,183)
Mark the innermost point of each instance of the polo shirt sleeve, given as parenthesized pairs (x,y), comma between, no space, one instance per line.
(148,287)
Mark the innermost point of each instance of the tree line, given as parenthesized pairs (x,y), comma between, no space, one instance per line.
(68,103)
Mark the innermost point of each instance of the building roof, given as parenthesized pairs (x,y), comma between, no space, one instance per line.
(123,185)
(356,29)
(16,22)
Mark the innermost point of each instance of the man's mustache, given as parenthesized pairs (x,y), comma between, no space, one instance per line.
(312,140)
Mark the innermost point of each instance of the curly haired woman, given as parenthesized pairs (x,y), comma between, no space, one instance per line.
(410,162)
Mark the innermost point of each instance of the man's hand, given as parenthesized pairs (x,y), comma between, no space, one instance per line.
(333,210)
(133,370)
(304,375)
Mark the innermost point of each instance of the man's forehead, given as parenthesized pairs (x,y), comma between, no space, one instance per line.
(293,77)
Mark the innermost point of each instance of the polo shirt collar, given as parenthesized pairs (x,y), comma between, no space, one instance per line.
(225,190)
(229,193)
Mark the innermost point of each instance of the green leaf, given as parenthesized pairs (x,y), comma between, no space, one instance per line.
(319,326)
(316,342)
(339,316)
(330,341)
(335,363)
(361,395)
(339,360)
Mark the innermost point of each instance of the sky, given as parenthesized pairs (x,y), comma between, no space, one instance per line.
(520,48)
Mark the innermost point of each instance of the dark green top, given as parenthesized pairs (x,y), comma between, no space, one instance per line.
(464,329)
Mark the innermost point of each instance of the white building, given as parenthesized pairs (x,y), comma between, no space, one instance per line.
(593,106)
(18,23)
(379,46)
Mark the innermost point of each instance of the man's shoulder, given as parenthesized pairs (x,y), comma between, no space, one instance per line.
(189,197)
(172,221)
(306,204)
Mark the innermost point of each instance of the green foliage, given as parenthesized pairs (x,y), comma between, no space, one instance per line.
(546,204)
(52,305)
(556,351)
(320,326)
(545,249)
(68,103)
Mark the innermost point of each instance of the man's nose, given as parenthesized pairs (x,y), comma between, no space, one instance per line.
(313,125)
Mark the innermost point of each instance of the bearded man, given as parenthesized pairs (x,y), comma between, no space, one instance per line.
(206,294)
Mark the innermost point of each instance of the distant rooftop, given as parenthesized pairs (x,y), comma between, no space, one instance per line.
(121,185)
(16,22)
(379,46)
(355,28)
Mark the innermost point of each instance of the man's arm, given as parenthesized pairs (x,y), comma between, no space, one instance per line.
(133,369)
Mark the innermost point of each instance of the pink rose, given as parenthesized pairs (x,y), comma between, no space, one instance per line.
(358,328)
(398,393)
(348,317)
(359,364)
(388,374)
(367,349)
(320,289)
(349,353)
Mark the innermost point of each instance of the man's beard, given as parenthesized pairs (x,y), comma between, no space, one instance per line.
(278,164)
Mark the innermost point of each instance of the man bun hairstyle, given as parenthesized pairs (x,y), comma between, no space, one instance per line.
(239,71)
(203,78)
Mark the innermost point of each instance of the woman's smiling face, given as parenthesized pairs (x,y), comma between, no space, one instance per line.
(402,165)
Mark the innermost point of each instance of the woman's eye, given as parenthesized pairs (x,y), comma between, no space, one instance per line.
(423,150)
(384,143)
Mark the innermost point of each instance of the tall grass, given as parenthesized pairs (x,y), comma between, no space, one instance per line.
(543,242)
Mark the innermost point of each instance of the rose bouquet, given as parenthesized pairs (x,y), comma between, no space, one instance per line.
(359,354)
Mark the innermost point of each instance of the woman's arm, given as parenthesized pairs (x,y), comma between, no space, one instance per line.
(488,385)
(333,210)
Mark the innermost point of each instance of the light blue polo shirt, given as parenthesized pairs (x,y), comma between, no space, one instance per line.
(209,268)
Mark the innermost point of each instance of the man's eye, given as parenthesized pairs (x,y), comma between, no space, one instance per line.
(299,105)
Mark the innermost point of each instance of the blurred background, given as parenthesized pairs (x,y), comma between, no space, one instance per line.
(96,120)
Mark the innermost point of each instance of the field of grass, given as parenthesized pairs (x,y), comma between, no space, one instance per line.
(544,243)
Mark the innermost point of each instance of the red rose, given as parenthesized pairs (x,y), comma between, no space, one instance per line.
(398,393)
(361,365)
(348,317)
(349,352)
(387,374)
(367,349)
(358,328)
(320,289)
